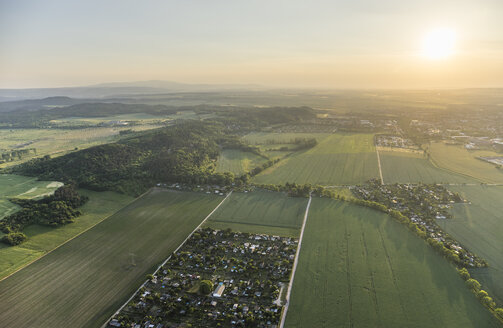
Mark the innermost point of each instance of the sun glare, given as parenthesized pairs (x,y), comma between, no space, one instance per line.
(439,43)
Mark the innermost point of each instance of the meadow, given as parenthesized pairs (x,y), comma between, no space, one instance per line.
(237,161)
(16,186)
(56,142)
(457,159)
(43,239)
(338,159)
(408,167)
(260,212)
(83,282)
(478,226)
(359,268)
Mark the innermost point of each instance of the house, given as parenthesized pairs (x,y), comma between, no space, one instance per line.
(219,290)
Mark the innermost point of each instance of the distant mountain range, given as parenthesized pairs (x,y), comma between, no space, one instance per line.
(120,89)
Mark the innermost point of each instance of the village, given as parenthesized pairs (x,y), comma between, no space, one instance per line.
(217,279)
(424,205)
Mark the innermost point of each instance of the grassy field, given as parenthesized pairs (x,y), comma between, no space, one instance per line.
(42,239)
(407,167)
(261,212)
(358,268)
(338,159)
(263,138)
(458,159)
(81,283)
(21,187)
(237,161)
(479,226)
(57,142)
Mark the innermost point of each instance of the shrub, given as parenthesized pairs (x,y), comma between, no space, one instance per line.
(14,238)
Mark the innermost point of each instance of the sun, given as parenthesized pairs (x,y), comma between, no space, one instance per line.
(439,43)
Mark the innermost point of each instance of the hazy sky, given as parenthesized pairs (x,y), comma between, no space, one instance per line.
(334,44)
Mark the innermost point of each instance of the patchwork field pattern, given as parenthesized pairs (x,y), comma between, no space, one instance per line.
(261,212)
(407,167)
(358,268)
(83,282)
(479,226)
(339,159)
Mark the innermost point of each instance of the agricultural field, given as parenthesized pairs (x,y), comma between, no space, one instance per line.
(83,282)
(338,159)
(359,268)
(16,186)
(43,239)
(266,212)
(410,167)
(57,142)
(457,159)
(237,161)
(479,226)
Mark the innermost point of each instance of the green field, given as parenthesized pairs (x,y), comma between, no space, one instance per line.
(237,161)
(359,268)
(83,282)
(42,239)
(261,212)
(263,138)
(22,187)
(457,159)
(407,167)
(56,142)
(338,159)
(479,226)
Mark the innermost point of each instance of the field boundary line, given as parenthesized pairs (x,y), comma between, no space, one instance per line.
(165,261)
(290,285)
(80,233)
(379,164)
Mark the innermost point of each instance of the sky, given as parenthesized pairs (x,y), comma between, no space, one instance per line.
(311,44)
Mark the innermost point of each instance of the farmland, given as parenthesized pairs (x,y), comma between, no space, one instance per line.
(43,239)
(21,187)
(358,268)
(458,159)
(260,212)
(338,159)
(84,281)
(57,142)
(409,167)
(237,161)
(478,225)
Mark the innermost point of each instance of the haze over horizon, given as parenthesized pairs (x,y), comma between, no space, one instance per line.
(291,44)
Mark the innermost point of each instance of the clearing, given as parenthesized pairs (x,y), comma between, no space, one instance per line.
(237,161)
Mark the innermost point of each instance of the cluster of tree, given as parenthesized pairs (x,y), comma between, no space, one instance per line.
(300,144)
(292,189)
(12,155)
(184,153)
(57,209)
(481,294)
(264,166)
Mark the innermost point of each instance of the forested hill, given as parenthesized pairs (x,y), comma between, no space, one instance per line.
(182,153)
